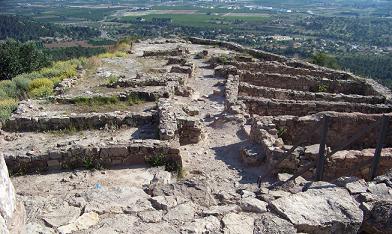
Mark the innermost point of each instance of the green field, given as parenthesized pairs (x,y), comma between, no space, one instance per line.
(202,20)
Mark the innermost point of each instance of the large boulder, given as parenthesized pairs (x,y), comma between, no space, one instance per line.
(272,224)
(7,193)
(379,219)
(321,210)
(12,212)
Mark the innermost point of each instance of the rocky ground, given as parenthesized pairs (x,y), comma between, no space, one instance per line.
(215,192)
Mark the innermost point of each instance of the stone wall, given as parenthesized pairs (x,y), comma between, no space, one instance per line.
(231,91)
(82,121)
(263,106)
(188,69)
(12,213)
(168,129)
(176,125)
(236,47)
(179,51)
(99,155)
(342,126)
(281,68)
(246,89)
(371,86)
(122,96)
(267,135)
(304,83)
(190,130)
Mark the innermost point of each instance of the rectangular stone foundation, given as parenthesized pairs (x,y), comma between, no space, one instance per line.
(79,156)
(246,89)
(78,121)
(263,106)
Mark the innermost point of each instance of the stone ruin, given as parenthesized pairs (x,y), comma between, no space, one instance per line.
(177,142)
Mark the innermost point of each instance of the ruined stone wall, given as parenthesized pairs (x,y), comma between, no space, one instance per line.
(236,47)
(179,51)
(175,125)
(231,91)
(371,87)
(304,83)
(122,96)
(262,106)
(342,126)
(190,130)
(12,213)
(268,135)
(168,129)
(104,155)
(246,89)
(78,121)
(280,68)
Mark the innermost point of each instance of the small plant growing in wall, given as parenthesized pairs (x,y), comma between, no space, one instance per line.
(322,88)
(161,160)
(281,131)
(112,79)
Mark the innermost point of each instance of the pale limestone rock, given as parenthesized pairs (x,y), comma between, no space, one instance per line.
(181,213)
(209,224)
(82,223)
(323,210)
(163,202)
(238,224)
(62,216)
(154,216)
(272,224)
(221,210)
(7,193)
(251,204)
(36,228)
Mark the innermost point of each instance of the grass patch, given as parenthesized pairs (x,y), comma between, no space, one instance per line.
(281,131)
(41,87)
(117,54)
(161,160)
(103,103)
(7,106)
(112,80)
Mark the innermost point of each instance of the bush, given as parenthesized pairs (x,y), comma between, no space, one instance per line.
(41,87)
(8,89)
(22,83)
(7,106)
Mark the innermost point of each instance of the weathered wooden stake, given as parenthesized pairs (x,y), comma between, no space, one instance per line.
(380,145)
(321,159)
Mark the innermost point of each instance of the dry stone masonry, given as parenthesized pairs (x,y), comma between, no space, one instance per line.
(189,136)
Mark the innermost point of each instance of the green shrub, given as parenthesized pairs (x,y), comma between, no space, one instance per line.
(41,87)
(43,91)
(281,131)
(96,101)
(7,106)
(22,82)
(8,89)
(322,88)
(112,79)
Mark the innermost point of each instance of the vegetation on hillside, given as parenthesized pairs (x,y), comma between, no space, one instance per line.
(24,29)
(39,82)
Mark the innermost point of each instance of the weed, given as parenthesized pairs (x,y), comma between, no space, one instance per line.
(40,87)
(281,131)
(112,79)
(161,160)
(7,106)
(322,88)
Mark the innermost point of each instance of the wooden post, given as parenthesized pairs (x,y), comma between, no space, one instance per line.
(380,145)
(321,158)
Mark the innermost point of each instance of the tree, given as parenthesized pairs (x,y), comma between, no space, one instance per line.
(17,58)
(325,60)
